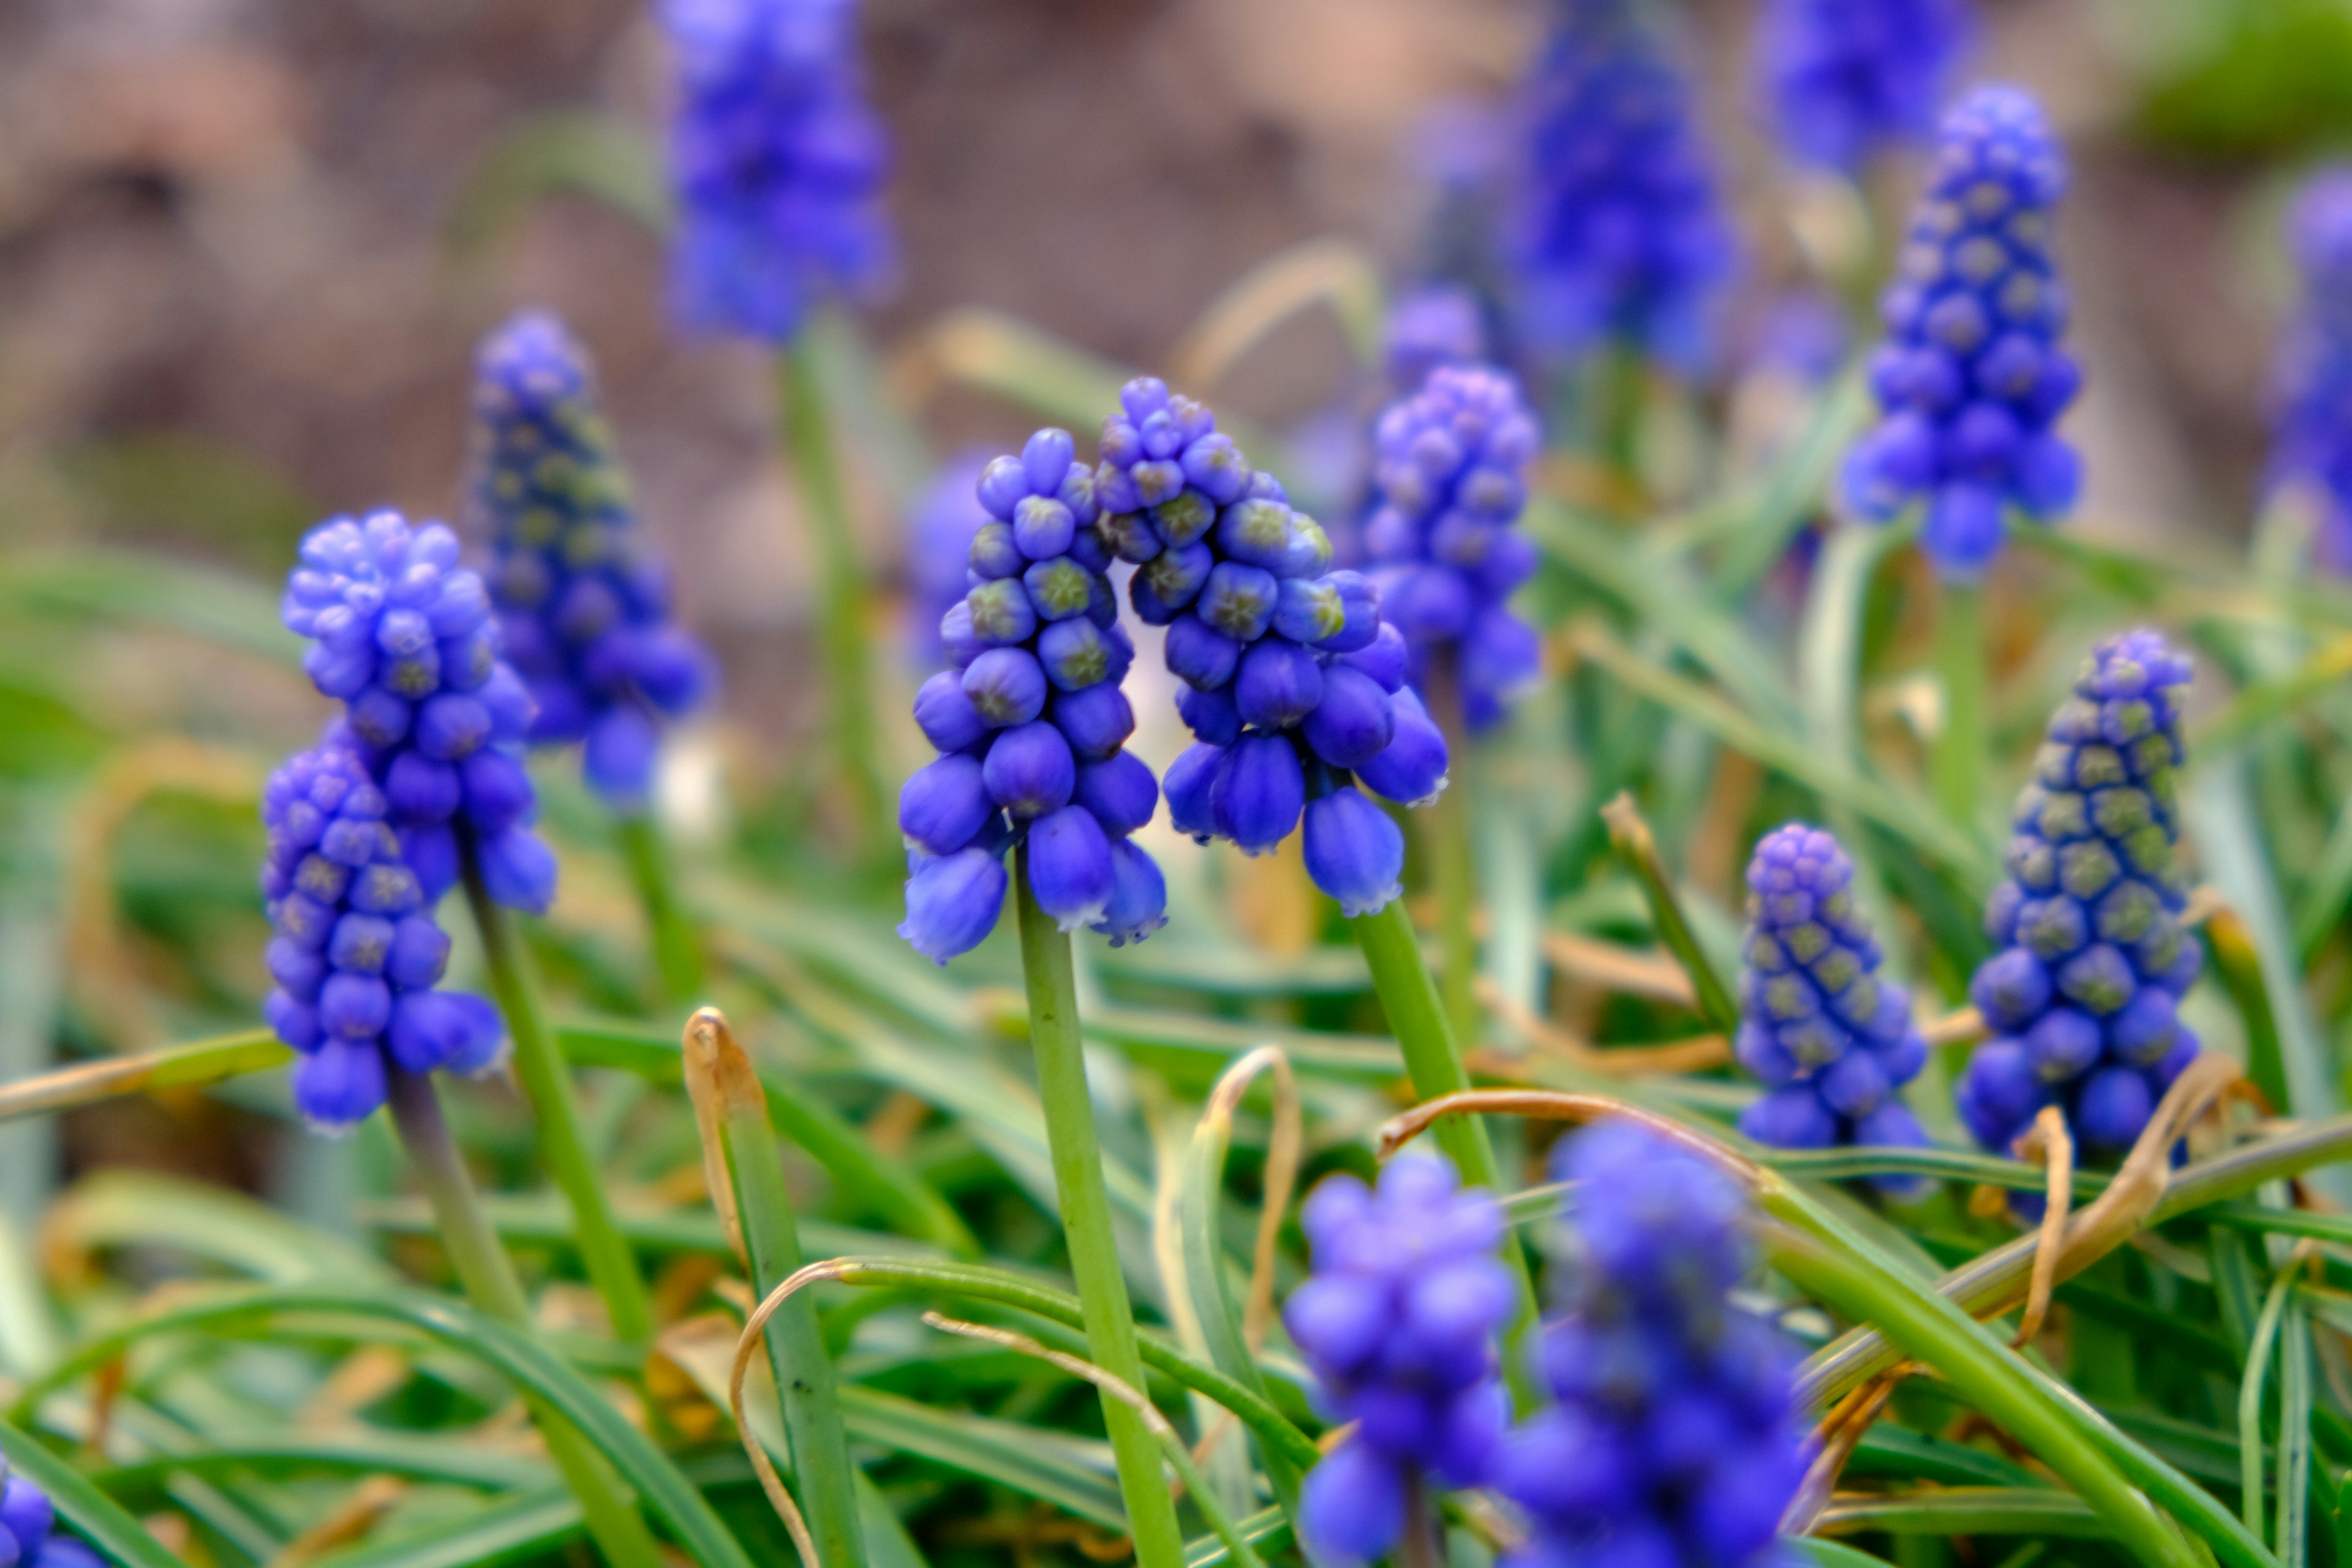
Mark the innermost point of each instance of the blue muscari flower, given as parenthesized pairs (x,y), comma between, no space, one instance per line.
(584,602)
(1970,379)
(1617,234)
(354,949)
(2082,996)
(1675,1438)
(2311,393)
(1452,478)
(940,531)
(404,638)
(1832,1041)
(29,1537)
(1846,79)
(778,164)
(1031,725)
(1294,687)
(1398,1322)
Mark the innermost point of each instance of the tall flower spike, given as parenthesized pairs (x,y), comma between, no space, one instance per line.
(1398,1322)
(1674,1436)
(1832,1041)
(1616,234)
(778,164)
(1970,379)
(1846,79)
(1294,689)
(355,950)
(583,602)
(1031,725)
(403,638)
(2082,998)
(1453,478)
(30,1536)
(2311,397)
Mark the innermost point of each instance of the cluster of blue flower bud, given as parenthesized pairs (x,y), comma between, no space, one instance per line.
(778,164)
(584,602)
(1617,234)
(355,951)
(940,531)
(1397,1324)
(2311,394)
(1031,724)
(1675,1438)
(1295,688)
(1452,476)
(403,638)
(1846,79)
(1971,378)
(1832,1042)
(29,1537)
(1429,326)
(2082,998)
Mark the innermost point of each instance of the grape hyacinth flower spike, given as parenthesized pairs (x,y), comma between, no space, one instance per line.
(1831,1041)
(1398,1322)
(2311,418)
(30,1536)
(1031,725)
(1295,691)
(2082,998)
(584,602)
(1674,1435)
(778,162)
(354,949)
(1617,234)
(1971,378)
(1452,478)
(1846,79)
(404,638)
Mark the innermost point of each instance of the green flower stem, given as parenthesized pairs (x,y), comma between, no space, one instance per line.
(1989,1376)
(1629,837)
(1086,1219)
(1453,870)
(547,1082)
(1957,760)
(489,1277)
(841,595)
(677,947)
(2250,1404)
(755,1169)
(1434,1066)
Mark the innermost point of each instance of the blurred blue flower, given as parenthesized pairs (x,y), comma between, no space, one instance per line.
(940,531)
(29,1537)
(2082,998)
(404,638)
(1292,680)
(1031,725)
(1616,230)
(1675,1438)
(355,950)
(778,164)
(1398,1322)
(2311,394)
(1831,1041)
(1453,479)
(583,602)
(1847,78)
(1970,380)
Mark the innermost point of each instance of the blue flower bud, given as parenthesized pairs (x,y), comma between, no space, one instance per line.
(1353,722)
(1360,614)
(1189,783)
(1385,658)
(1258,793)
(1212,716)
(1076,654)
(1070,868)
(618,760)
(1059,588)
(1255,532)
(1352,1504)
(1308,610)
(1354,852)
(1411,770)
(2001,1092)
(1120,790)
(942,806)
(992,555)
(1006,686)
(2113,1107)
(1165,586)
(1238,600)
(340,1085)
(1001,613)
(1030,770)
(946,716)
(518,869)
(1278,684)
(26,1514)
(1847,80)
(1043,527)
(1199,654)
(1096,720)
(952,902)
